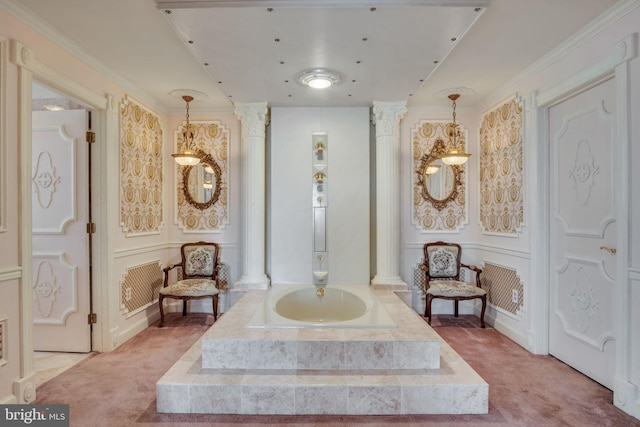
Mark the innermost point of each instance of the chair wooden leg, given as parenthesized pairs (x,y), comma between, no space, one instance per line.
(427,311)
(184,307)
(484,307)
(215,307)
(160,299)
(455,308)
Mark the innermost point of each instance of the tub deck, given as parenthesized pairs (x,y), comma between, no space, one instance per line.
(331,306)
(233,369)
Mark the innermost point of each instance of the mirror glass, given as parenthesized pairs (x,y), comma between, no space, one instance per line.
(201,183)
(440,183)
(439,180)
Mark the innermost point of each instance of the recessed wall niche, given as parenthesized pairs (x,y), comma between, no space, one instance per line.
(202,190)
(501,170)
(426,216)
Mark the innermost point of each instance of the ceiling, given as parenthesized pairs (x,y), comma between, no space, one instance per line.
(225,51)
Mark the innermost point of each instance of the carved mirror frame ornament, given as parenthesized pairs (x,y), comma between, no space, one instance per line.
(439,149)
(217,172)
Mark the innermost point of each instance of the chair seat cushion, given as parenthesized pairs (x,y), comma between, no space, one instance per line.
(191,288)
(454,288)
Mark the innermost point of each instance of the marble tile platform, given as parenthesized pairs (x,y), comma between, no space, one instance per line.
(237,370)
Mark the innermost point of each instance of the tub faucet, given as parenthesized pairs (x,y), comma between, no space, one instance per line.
(320,258)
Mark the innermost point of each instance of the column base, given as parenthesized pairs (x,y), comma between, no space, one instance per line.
(245,283)
(25,389)
(395,284)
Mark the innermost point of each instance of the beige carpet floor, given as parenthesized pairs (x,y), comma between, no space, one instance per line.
(117,389)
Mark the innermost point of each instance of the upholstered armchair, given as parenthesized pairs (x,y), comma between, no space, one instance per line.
(442,278)
(199,267)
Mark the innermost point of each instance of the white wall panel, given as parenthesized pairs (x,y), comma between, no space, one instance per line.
(347,216)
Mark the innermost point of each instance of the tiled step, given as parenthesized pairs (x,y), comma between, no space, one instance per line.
(329,371)
(453,389)
(309,354)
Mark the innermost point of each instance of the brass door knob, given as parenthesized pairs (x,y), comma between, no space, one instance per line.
(608,249)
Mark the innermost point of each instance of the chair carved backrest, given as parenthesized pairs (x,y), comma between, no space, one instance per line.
(443,267)
(443,260)
(200,260)
(199,271)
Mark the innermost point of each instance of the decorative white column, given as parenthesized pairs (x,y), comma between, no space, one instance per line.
(253,199)
(387,120)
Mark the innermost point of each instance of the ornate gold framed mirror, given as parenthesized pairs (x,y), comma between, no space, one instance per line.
(440,183)
(201,182)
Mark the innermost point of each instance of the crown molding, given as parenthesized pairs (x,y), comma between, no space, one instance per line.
(607,18)
(37,24)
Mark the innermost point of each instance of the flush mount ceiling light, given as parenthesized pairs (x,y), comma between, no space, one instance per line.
(53,107)
(319,78)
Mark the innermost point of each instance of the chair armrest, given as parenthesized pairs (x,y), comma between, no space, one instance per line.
(171,267)
(425,268)
(166,273)
(472,268)
(475,269)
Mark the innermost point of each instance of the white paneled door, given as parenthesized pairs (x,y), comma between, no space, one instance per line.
(60,241)
(583,230)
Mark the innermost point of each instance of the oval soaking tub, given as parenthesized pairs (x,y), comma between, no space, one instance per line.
(346,306)
(336,305)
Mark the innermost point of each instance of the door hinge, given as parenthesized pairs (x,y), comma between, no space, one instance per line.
(91,137)
(93,318)
(91,227)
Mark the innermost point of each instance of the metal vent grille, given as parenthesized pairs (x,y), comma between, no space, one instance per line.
(140,287)
(500,282)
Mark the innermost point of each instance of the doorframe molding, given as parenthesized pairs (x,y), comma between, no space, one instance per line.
(105,121)
(615,65)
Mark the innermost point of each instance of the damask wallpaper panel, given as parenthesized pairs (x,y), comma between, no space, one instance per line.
(140,169)
(202,196)
(501,170)
(426,216)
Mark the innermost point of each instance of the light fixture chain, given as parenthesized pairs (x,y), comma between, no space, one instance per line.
(188,134)
(187,157)
(454,113)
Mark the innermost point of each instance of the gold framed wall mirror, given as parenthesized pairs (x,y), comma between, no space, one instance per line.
(201,182)
(440,183)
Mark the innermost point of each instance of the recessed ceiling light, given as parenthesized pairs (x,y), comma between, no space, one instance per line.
(319,78)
